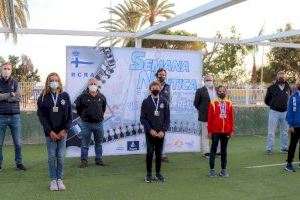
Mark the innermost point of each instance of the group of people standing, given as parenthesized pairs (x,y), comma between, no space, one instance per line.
(215,115)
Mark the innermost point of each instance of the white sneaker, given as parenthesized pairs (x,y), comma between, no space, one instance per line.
(53,185)
(61,185)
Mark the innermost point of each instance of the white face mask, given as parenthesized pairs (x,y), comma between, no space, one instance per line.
(209,84)
(6,73)
(93,88)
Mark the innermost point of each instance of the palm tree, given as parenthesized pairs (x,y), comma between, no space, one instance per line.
(13,13)
(153,9)
(128,20)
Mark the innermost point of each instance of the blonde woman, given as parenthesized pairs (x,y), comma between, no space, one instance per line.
(55,115)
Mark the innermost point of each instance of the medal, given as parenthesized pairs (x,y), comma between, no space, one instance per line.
(223,113)
(156,112)
(55,108)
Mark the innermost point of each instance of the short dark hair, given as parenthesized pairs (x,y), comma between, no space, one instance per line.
(153,84)
(160,70)
(6,63)
(221,86)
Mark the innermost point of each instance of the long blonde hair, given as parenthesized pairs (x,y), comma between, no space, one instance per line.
(47,88)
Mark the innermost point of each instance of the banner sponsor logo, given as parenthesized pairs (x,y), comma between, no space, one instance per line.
(133,146)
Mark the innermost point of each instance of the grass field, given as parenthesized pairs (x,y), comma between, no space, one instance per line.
(186,176)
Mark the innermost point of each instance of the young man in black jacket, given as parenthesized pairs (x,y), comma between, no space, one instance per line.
(276,98)
(90,107)
(155,116)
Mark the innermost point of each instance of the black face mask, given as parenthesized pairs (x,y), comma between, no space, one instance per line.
(161,79)
(221,96)
(281,81)
(155,92)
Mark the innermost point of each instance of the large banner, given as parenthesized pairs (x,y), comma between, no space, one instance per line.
(125,75)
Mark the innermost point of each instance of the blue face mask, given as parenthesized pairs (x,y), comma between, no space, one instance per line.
(53,85)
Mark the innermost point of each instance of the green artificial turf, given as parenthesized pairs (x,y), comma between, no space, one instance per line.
(186,176)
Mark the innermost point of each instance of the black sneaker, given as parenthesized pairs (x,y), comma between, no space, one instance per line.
(21,167)
(289,168)
(284,151)
(269,152)
(148,178)
(0,168)
(160,178)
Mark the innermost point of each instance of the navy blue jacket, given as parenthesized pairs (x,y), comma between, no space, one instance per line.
(9,105)
(54,121)
(157,123)
(166,92)
(293,112)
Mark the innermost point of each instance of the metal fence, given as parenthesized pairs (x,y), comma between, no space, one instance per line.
(246,96)
(30,92)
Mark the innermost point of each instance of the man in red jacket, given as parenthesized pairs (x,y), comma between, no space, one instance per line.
(220,126)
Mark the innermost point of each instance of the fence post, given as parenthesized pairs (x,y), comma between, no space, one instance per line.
(247,95)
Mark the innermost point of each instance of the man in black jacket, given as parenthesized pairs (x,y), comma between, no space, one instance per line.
(276,98)
(203,97)
(90,107)
(155,116)
(166,93)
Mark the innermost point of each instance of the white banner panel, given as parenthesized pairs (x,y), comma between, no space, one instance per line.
(125,75)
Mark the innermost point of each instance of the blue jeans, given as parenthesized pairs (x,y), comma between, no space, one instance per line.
(276,118)
(56,152)
(13,122)
(87,130)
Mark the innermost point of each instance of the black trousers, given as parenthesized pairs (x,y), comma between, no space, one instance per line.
(154,144)
(214,145)
(293,144)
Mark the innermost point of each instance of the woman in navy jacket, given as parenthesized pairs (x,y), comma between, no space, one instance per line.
(55,115)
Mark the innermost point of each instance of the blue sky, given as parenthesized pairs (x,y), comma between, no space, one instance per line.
(48,52)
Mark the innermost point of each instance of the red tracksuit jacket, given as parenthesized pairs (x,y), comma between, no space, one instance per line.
(220,117)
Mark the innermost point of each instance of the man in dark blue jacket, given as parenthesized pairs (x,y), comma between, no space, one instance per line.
(166,92)
(293,119)
(155,116)
(10,113)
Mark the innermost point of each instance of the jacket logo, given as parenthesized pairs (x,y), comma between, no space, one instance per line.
(63,102)
(161,105)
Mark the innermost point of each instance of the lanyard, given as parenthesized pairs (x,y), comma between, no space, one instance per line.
(54,99)
(223,108)
(155,104)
